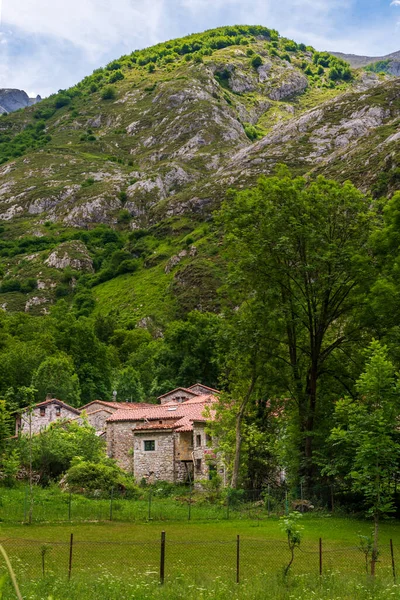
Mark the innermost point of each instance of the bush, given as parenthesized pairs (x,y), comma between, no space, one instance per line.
(104,475)
(256,61)
(109,93)
(62,101)
(116,76)
(128,266)
(10,285)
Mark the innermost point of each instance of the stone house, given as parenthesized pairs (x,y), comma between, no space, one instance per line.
(98,411)
(167,441)
(42,414)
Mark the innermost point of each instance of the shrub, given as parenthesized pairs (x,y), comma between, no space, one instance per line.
(62,101)
(124,216)
(116,76)
(103,475)
(109,93)
(256,61)
(10,285)
(128,266)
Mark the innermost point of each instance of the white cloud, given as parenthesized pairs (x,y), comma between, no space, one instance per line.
(60,41)
(395,3)
(90,24)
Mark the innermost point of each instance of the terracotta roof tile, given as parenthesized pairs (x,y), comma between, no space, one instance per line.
(184,414)
(52,401)
(205,387)
(118,405)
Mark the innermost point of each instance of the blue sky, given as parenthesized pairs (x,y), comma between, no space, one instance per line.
(46,45)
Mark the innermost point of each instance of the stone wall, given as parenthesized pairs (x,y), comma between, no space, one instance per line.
(177,396)
(158,464)
(40,422)
(120,443)
(201,389)
(97,418)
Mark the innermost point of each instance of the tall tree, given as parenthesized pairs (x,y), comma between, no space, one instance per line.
(301,251)
(367,434)
(56,376)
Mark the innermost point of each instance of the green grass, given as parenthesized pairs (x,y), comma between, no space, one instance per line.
(107,587)
(121,560)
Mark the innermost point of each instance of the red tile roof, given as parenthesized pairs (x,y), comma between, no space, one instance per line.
(118,405)
(52,401)
(182,414)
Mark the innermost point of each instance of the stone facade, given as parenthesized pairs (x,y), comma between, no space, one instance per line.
(97,418)
(157,464)
(198,388)
(43,414)
(178,395)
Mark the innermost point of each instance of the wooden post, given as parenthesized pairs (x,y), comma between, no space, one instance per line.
(190,504)
(111,503)
(393,564)
(320,556)
(238,559)
(162,558)
(71,541)
(149,512)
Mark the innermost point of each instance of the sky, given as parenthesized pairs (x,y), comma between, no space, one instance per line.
(47,45)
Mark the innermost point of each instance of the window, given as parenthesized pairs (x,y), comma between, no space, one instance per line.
(42,411)
(58,411)
(198,440)
(198,465)
(208,439)
(149,445)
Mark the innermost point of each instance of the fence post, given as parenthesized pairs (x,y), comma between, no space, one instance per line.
(69,506)
(111,503)
(238,559)
(162,558)
(71,541)
(149,514)
(25,503)
(190,504)
(393,564)
(320,556)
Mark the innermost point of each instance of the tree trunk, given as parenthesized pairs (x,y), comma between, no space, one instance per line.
(238,434)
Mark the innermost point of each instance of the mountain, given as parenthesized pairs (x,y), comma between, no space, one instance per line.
(110,185)
(390,63)
(12,100)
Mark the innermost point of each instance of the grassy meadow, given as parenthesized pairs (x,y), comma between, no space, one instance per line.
(122,560)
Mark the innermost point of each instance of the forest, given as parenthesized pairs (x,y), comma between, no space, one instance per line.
(303,345)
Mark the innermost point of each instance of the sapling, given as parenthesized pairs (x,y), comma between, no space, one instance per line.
(291,526)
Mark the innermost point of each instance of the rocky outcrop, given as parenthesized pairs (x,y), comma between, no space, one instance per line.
(71,254)
(12,100)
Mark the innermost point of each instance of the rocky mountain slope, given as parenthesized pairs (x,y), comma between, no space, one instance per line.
(390,63)
(12,100)
(110,186)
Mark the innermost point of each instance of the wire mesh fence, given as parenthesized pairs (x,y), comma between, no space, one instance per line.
(187,504)
(236,559)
